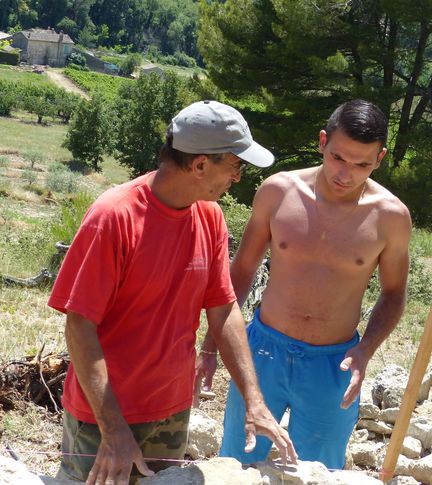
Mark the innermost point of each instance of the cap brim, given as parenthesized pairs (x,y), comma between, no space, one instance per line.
(256,155)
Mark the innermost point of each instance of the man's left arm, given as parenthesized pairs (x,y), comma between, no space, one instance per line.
(393,274)
(227,328)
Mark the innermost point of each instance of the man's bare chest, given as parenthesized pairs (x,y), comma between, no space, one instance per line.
(339,241)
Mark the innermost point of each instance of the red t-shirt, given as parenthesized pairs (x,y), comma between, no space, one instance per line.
(141,272)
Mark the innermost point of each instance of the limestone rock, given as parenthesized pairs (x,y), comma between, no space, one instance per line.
(366,454)
(353,478)
(404,481)
(359,436)
(411,447)
(366,392)
(425,385)
(217,471)
(205,436)
(391,377)
(403,465)
(392,397)
(349,462)
(378,427)
(421,429)
(421,469)
(425,409)
(369,411)
(15,473)
(305,473)
(389,415)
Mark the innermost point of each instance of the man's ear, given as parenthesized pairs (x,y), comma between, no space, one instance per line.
(322,140)
(381,155)
(198,166)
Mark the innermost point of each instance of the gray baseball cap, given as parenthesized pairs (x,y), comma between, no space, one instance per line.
(212,127)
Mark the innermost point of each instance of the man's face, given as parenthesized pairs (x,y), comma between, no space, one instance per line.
(347,163)
(222,174)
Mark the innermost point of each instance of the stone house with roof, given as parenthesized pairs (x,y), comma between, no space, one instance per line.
(43,46)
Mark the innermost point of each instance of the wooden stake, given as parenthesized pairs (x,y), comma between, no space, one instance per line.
(408,401)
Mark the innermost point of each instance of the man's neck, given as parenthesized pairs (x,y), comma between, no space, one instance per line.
(171,187)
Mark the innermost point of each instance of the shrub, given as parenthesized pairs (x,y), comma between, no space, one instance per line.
(130,63)
(62,181)
(57,167)
(33,157)
(29,176)
(236,216)
(76,59)
(71,214)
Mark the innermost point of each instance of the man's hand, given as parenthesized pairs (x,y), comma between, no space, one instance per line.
(356,360)
(260,421)
(205,368)
(117,453)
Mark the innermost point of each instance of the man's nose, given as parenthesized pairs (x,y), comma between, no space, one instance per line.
(344,173)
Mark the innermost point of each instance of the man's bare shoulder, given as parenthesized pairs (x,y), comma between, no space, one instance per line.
(386,202)
(393,214)
(286,180)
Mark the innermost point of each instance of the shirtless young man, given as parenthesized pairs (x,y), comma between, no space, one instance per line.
(327,228)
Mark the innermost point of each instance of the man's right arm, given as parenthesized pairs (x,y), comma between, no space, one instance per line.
(254,243)
(118,449)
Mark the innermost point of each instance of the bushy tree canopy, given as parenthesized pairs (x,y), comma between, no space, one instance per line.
(301,58)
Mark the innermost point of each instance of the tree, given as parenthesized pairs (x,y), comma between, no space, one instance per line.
(130,64)
(143,110)
(38,99)
(89,136)
(297,60)
(8,97)
(66,104)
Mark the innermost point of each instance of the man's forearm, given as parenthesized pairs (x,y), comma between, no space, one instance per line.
(230,338)
(242,282)
(384,318)
(91,370)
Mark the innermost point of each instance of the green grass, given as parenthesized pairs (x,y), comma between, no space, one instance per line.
(20,134)
(422,239)
(13,74)
(27,323)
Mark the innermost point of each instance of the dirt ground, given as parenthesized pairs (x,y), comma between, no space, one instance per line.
(63,82)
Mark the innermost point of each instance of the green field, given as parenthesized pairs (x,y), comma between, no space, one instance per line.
(14,74)
(92,82)
(21,133)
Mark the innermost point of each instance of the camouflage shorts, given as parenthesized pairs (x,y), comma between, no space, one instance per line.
(158,439)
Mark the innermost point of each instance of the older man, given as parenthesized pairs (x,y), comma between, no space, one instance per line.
(148,256)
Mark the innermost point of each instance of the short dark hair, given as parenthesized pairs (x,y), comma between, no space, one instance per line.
(361,120)
(182,159)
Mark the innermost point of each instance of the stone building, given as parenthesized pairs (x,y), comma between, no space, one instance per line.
(43,46)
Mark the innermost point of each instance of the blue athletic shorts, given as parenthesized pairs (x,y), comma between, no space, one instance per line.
(304,378)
